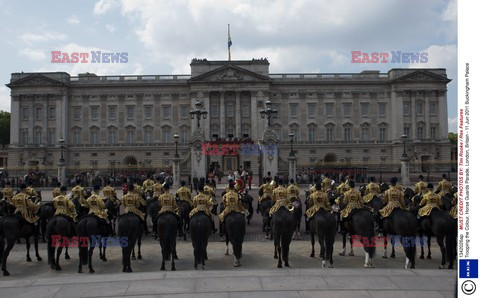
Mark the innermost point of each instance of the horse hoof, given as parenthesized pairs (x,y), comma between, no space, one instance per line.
(162,268)
(67,257)
(203,267)
(422,257)
(133,258)
(287,265)
(175,257)
(80,271)
(139,257)
(91,271)
(174,269)
(429,257)
(330,266)
(279,266)
(412,267)
(341,253)
(52,267)
(129,270)
(6,273)
(312,255)
(104,259)
(124,269)
(392,256)
(236,265)
(440,267)
(58,268)
(275,257)
(29,259)
(351,254)
(39,259)
(384,257)
(450,267)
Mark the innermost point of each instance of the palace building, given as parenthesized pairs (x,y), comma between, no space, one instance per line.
(112,123)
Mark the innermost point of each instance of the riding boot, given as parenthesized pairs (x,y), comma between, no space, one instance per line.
(213,227)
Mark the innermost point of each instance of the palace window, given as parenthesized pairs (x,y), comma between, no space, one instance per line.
(94,136)
(420,133)
(130,136)
(94,113)
(433,133)
(112,137)
(294,110)
(406,131)
(245,110)
(166,135)
(365,133)
(112,112)
(51,113)
(230,109)
(184,136)
(24,136)
(147,112)
(346,134)
(77,113)
(419,108)
(364,107)
(37,137)
(147,136)
(406,108)
(381,109)
(312,110)
(25,114)
(167,111)
(76,137)
(433,108)
(184,112)
(130,112)
(347,109)
(311,134)
(38,113)
(329,134)
(382,134)
(215,111)
(51,136)
(329,109)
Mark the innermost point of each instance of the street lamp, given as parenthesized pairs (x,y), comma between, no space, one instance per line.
(404,141)
(291,136)
(62,147)
(198,113)
(176,137)
(268,112)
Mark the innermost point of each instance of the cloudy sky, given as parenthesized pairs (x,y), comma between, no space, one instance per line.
(161,37)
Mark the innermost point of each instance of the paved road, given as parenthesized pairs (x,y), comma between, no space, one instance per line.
(258,273)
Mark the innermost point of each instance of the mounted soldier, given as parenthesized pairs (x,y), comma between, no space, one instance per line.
(158,188)
(430,201)
(109,194)
(210,191)
(352,200)
(421,186)
(393,199)
(232,203)
(96,205)
(24,207)
(372,189)
(167,202)
(137,188)
(132,201)
(326,183)
(34,194)
(343,187)
(184,194)
(78,195)
(280,198)
(444,186)
(453,211)
(57,190)
(64,206)
(8,193)
(203,202)
(148,186)
(318,200)
(293,191)
(267,192)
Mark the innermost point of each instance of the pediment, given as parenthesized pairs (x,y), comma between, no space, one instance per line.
(422,76)
(35,80)
(229,73)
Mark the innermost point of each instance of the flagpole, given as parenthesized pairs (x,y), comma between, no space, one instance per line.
(229,43)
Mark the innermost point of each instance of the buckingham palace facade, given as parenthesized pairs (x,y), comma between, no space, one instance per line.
(111,123)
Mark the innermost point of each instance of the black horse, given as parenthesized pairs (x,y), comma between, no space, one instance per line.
(45,213)
(153,206)
(403,224)
(199,232)
(438,224)
(12,227)
(235,233)
(130,226)
(324,225)
(247,202)
(265,206)
(282,230)
(90,227)
(297,216)
(362,225)
(167,225)
(184,211)
(60,228)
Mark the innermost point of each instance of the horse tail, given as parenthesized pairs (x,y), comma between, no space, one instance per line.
(50,247)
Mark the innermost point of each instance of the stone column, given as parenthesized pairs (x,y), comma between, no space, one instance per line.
(62,172)
(222,115)
(292,167)
(254,114)
(238,121)
(405,170)
(176,171)
(15,136)
(198,159)
(269,152)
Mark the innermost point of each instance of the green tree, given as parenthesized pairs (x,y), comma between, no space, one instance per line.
(453,137)
(4,128)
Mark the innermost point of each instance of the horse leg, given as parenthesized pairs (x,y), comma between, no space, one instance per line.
(57,259)
(174,256)
(35,246)
(67,256)
(351,247)
(422,244)
(133,252)
(226,249)
(429,241)
(344,243)
(322,250)
(312,240)
(385,245)
(27,239)
(139,243)
(164,253)
(393,248)
(43,228)
(104,256)
(90,254)
(279,247)
(10,244)
(442,249)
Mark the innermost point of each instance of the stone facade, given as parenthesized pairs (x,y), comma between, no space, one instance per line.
(112,123)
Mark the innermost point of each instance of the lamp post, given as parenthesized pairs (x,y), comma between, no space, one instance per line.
(62,175)
(268,112)
(198,113)
(292,169)
(404,163)
(176,163)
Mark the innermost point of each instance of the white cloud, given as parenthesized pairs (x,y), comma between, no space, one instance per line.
(111,28)
(30,38)
(452,125)
(103,6)
(4,98)
(73,19)
(33,54)
(451,11)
